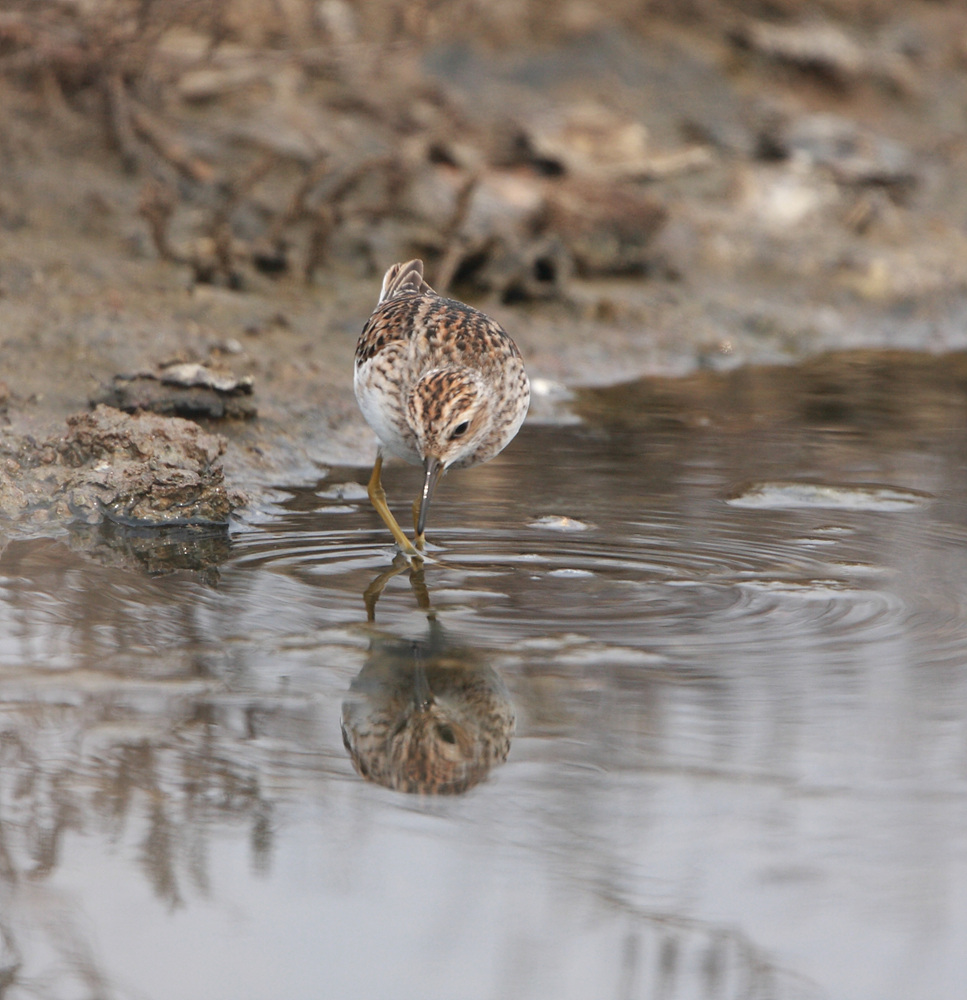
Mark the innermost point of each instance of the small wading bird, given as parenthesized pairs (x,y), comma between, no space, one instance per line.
(427,716)
(440,383)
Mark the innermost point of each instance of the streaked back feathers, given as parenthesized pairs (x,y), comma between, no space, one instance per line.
(441,383)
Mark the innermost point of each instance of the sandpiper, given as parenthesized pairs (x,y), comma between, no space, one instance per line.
(441,384)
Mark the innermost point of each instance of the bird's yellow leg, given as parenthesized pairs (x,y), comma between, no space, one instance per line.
(377,497)
(420,590)
(374,591)
(401,564)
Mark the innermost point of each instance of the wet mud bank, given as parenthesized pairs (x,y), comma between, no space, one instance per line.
(196,212)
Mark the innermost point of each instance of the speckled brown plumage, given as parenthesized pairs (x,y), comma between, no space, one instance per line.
(441,384)
(426,717)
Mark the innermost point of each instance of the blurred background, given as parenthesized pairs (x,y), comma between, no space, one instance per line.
(699,629)
(632,187)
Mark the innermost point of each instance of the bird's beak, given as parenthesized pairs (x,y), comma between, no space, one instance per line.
(432,470)
(422,694)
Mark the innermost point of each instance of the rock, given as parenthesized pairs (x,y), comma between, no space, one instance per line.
(584,139)
(783,197)
(588,140)
(141,470)
(522,236)
(828,51)
(519,269)
(821,47)
(184,390)
(853,154)
(606,230)
(503,203)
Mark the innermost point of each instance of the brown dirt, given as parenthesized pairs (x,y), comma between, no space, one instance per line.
(628,188)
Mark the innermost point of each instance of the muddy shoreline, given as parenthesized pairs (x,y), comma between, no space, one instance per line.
(694,192)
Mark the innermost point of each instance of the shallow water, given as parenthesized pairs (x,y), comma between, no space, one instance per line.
(728,615)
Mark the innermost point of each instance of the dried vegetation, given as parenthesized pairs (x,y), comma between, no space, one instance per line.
(331,141)
(277,139)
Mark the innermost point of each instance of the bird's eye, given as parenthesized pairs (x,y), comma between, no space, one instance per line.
(460,429)
(447,734)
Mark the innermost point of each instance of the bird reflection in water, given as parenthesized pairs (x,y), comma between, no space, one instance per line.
(425,716)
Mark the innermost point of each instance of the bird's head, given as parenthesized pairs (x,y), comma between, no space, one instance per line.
(449,413)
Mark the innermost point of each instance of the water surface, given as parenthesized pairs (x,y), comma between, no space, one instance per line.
(727,614)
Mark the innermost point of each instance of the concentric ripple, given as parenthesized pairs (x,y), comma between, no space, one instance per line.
(664,564)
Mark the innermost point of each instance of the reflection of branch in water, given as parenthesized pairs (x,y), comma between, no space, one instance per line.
(158,857)
(10,960)
(72,968)
(51,783)
(676,957)
(104,765)
(426,716)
